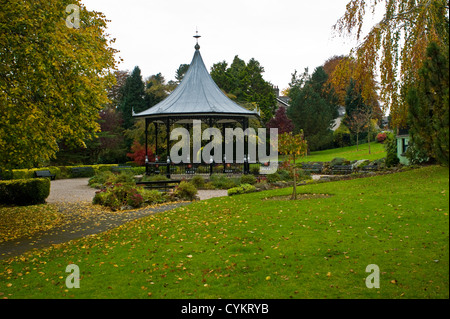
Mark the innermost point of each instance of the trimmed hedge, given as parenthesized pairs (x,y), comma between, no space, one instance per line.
(63,172)
(24,191)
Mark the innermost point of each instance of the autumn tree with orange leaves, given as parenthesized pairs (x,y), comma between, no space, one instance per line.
(394,48)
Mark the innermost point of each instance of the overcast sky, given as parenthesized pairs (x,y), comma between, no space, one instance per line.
(283,35)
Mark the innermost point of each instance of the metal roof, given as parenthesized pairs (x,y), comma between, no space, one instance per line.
(197,94)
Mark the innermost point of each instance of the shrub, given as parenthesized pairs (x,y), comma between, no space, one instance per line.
(186,191)
(152,178)
(338,161)
(117,196)
(152,196)
(248,179)
(242,189)
(391,151)
(342,136)
(99,179)
(103,178)
(381,137)
(198,182)
(138,154)
(223,182)
(29,173)
(124,177)
(273,178)
(24,191)
(285,175)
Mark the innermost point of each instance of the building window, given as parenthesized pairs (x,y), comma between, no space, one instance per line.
(404,145)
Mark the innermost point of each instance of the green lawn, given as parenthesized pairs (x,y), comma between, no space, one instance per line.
(350,153)
(251,246)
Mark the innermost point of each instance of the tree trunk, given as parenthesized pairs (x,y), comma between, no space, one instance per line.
(294,192)
(357,140)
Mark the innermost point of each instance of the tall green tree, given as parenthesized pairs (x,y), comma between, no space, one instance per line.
(133,97)
(53,78)
(313,107)
(244,83)
(180,72)
(156,90)
(428,100)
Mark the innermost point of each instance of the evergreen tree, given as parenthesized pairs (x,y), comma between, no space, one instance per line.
(245,84)
(133,94)
(181,71)
(313,108)
(428,101)
(155,90)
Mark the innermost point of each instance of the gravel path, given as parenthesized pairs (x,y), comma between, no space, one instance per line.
(70,191)
(77,189)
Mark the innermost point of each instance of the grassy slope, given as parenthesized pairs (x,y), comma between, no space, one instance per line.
(249,247)
(350,153)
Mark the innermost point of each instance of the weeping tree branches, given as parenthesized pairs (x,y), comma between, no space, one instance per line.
(395,47)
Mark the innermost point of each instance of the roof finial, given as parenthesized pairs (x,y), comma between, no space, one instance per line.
(196,36)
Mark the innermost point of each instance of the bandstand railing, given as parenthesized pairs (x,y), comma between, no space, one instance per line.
(190,169)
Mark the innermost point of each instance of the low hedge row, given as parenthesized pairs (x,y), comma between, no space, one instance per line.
(62,172)
(24,191)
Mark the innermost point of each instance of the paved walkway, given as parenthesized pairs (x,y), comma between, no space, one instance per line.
(73,198)
(77,189)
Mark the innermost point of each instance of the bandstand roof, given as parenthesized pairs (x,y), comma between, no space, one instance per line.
(196,95)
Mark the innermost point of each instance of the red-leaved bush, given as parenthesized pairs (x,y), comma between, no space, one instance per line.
(381,137)
(138,154)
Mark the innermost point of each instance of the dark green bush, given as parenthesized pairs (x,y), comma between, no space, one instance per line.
(24,191)
(102,178)
(153,178)
(224,182)
(198,182)
(186,191)
(248,179)
(273,178)
(390,144)
(285,175)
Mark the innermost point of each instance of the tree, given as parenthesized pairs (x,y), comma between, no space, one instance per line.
(281,121)
(294,146)
(133,94)
(111,143)
(181,71)
(428,100)
(138,154)
(53,79)
(155,90)
(244,83)
(115,92)
(313,107)
(357,121)
(357,113)
(396,46)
